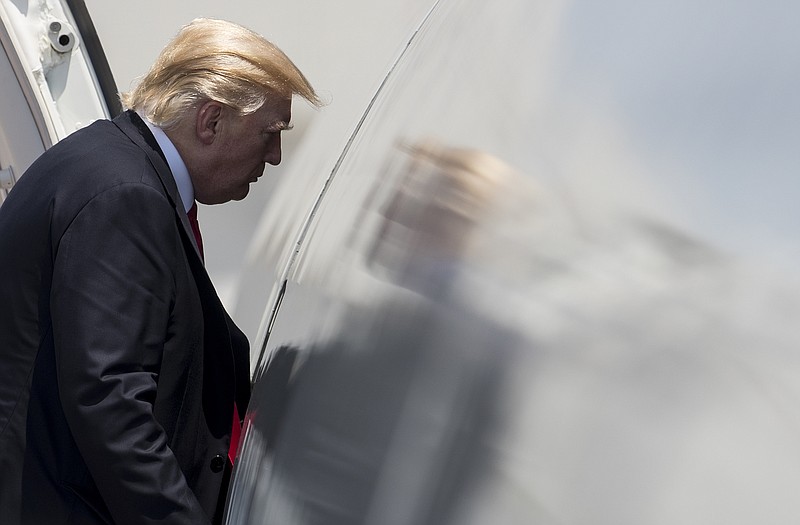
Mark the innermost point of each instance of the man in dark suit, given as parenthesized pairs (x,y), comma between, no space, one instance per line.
(120,371)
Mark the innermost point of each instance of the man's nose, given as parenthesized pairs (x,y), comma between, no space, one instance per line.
(273,153)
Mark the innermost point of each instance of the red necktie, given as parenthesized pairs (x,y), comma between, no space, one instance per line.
(236,429)
(192,214)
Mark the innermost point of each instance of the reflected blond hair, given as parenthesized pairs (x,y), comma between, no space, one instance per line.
(215,60)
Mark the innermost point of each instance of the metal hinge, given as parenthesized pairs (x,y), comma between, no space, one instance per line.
(7,179)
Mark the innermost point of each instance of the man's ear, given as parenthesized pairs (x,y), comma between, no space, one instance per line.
(208,119)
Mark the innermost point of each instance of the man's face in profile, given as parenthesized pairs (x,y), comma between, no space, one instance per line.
(242,147)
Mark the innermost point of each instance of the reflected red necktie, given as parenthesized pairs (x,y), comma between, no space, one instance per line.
(236,428)
(192,214)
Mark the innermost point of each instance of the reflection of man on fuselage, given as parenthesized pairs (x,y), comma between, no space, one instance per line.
(394,416)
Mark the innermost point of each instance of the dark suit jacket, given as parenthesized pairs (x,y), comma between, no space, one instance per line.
(118,364)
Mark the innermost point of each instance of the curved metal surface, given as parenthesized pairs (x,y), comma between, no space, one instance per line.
(286,220)
(59,80)
(553,280)
(97,57)
(50,82)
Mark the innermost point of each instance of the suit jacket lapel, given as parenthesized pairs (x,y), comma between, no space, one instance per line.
(220,331)
(134,127)
(218,326)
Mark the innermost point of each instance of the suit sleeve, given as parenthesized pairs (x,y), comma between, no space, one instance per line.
(113,287)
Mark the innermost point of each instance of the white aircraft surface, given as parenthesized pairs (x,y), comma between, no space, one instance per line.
(536,262)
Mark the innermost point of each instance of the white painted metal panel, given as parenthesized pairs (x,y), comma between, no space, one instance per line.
(49,87)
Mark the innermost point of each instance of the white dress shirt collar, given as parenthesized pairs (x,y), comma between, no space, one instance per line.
(176,164)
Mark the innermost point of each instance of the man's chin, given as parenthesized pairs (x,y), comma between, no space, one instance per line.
(222,199)
(242,194)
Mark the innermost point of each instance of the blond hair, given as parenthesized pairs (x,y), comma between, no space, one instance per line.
(215,60)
